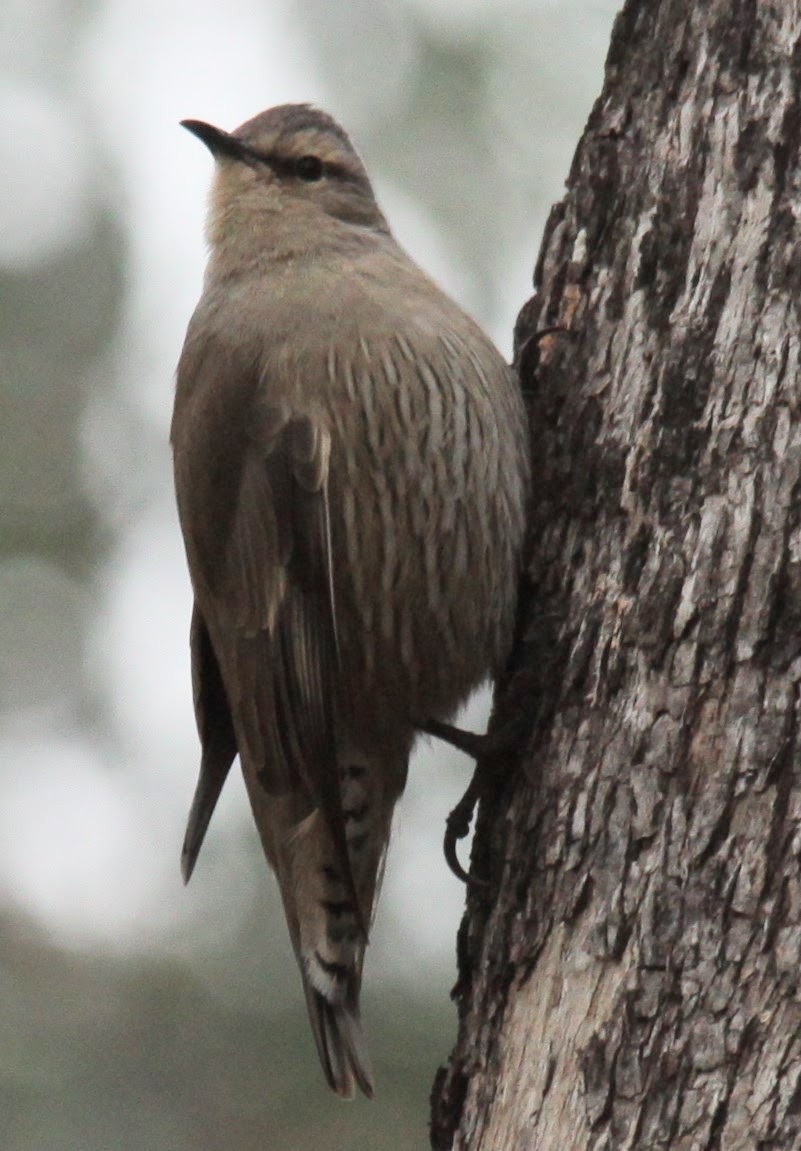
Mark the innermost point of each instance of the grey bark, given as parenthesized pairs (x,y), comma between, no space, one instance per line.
(629,976)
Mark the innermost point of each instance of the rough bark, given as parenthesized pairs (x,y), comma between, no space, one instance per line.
(629,977)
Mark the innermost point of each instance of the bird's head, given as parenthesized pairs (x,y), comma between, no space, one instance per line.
(287,167)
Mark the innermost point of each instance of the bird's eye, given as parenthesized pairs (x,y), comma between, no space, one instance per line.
(309,168)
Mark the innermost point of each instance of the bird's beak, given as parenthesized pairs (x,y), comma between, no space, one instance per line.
(218,142)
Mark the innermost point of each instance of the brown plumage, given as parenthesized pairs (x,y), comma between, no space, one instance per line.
(351,474)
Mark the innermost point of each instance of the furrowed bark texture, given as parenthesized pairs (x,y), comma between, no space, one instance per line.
(629,978)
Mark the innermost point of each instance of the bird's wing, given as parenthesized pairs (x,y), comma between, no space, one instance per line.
(257,527)
(217,739)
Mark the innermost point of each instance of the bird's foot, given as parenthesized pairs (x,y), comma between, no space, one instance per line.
(485,749)
(457,826)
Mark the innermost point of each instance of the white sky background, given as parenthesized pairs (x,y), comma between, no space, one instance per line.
(97,863)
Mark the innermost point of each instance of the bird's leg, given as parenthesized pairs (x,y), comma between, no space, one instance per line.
(502,739)
(486,750)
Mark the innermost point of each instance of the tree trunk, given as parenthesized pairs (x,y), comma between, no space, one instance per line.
(629,972)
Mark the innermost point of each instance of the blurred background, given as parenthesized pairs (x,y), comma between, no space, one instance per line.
(136,1014)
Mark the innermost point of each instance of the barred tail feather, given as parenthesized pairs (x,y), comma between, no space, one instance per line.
(340,1042)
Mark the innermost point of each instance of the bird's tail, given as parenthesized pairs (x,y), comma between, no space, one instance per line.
(328,912)
(341,1045)
(329,934)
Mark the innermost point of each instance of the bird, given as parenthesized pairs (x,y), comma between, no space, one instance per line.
(352,480)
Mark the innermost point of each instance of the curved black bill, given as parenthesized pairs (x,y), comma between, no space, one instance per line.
(218,142)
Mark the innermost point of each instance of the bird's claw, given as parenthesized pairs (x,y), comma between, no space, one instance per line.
(457,826)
